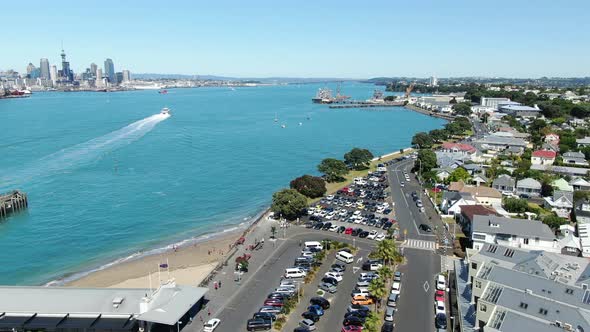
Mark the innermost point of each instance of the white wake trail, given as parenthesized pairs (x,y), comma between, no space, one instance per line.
(84,153)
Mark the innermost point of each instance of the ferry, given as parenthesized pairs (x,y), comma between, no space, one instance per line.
(165,111)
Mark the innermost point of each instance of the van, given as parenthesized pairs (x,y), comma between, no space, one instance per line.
(345,257)
(294,272)
(309,245)
(392,300)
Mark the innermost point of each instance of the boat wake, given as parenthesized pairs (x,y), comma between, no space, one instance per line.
(87,152)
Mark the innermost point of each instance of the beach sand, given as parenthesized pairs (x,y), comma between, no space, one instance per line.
(188,264)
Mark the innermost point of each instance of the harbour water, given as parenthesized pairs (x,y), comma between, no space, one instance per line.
(106,178)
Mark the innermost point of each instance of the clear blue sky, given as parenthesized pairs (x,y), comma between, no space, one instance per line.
(356,39)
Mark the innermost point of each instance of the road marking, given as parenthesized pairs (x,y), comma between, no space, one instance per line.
(355,269)
(419,244)
(360,259)
(426,286)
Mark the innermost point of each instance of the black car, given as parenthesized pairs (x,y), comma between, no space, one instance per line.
(379,224)
(327,226)
(387,211)
(359,313)
(353,320)
(280,296)
(311,316)
(315,218)
(322,302)
(355,307)
(301,329)
(387,225)
(319,225)
(330,281)
(425,228)
(341,229)
(337,267)
(387,327)
(256,324)
(440,321)
(363,234)
(356,231)
(265,316)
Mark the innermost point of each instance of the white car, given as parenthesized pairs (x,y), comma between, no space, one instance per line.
(330,197)
(335,275)
(211,325)
(306,253)
(334,228)
(439,308)
(380,237)
(396,288)
(441,283)
(372,235)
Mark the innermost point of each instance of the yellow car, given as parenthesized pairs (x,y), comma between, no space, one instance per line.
(362,300)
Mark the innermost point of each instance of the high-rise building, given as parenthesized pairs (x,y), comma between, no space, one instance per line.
(93,68)
(30,68)
(109,70)
(433,81)
(66,73)
(53,74)
(99,81)
(44,65)
(119,77)
(126,76)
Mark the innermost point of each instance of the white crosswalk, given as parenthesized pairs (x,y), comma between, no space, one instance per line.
(419,244)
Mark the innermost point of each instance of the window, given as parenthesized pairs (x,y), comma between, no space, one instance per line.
(524,305)
(543,311)
(478,236)
(537,240)
(477,283)
(474,266)
(483,307)
(525,240)
(569,291)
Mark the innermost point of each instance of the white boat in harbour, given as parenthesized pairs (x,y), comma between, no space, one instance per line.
(165,111)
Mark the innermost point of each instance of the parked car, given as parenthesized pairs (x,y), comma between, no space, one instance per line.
(357,313)
(258,325)
(274,302)
(351,328)
(353,320)
(338,267)
(425,228)
(440,321)
(397,276)
(309,324)
(211,325)
(441,283)
(334,275)
(389,312)
(363,234)
(439,308)
(316,309)
(362,299)
(265,316)
(341,229)
(372,235)
(396,288)
(330,280)
(439,295)
(272,310)
(328,288)
(322,302)
(355,307)
(348,231)
(387,327)
(311,316)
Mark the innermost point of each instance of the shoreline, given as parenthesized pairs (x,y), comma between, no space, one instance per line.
(429,113)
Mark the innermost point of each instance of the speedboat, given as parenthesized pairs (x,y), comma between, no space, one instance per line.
(165,111)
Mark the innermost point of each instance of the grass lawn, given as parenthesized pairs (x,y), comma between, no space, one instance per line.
(335,186)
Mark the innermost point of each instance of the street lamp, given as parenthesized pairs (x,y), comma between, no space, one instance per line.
(178,326)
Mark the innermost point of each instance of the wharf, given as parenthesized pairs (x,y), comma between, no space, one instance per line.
(366,104)
(12,202)
(430,113)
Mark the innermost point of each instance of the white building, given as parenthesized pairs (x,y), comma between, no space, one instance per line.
(126,76)
(492,102)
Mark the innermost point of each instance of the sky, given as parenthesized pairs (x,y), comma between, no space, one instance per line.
(347,39)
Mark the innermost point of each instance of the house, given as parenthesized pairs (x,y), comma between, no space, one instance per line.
(443,173)
(520,111)
(492,102)
(584,235)
(482,195)
(504,183)
(479,179)
(582,211)
(452,201)
(468,212)
(449,152)
(562,185)
(569,243)
(574,158)
(528,186)
(552,139)
(550,147)
(472,169)
(543,157)
(582,142)
(561,203)
(500,144)
(519,233)
(580,184)
(562,170)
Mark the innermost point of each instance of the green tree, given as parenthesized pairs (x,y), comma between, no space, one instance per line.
(459,174)
(377,290)
(372,322)
(463,109)
(387,251)
(310,186)
(385,272)
(334,169)
(423,140)
(358,159)
(439,135)
(516,205)
(546,189)
(288,203)
(428,160)
(554,221)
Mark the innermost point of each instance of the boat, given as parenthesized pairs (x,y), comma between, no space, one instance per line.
(163,92)
(324,96)
(165,111)
(283,126)
(276,118)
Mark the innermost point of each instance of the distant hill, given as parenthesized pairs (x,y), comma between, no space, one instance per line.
(275,80)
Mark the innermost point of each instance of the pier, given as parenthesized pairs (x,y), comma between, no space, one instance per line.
(365,104)
(430,113)
(12,202)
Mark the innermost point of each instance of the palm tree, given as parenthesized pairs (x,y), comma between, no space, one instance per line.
(387,251)
(372,322)
(385,272)
(377,290)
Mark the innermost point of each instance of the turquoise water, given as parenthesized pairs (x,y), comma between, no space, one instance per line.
(107,179)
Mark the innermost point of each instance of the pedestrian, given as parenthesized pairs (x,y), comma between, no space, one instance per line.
(209,312)
(219,283)
(215,285)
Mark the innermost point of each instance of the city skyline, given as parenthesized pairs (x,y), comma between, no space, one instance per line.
(335,39)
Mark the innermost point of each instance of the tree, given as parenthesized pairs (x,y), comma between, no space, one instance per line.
(554,221)
(310,186)
(438,135)
(423,140)
(385,272)
(372,322)
(334,169)
(377,290)
(358,159)
(546,189)
(516,205)
(580,111)
(387,251)
(463,109)
(288,203)
(428,160)
(459,174)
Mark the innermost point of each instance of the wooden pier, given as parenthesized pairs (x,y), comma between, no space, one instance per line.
(12,202)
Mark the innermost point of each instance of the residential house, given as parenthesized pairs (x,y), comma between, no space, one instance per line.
(501,144)
(574,158)
(450,152)
(452,202)
(562,185)
(543,157)
(550,147)
(519,233)
(528,186)
(468,212)
(580,184)
(582,211)
(569,243)
(482,195)
(562,170)
(479,179)
(443,173)
(504,183)
(584,234)
(561,203)
(582,142)
(552,139)
(472,169)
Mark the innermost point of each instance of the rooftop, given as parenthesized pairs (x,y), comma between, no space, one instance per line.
(520,227)
(545,154)
(469,211)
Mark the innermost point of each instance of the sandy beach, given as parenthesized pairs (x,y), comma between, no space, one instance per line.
(189,265)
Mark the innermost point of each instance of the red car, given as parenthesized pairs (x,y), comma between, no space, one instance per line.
(273,303)
(439,296)
(352,328)
(348,231)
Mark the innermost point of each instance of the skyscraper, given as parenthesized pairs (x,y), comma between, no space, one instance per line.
(126,76)
(99,81)
(53,74)
(44,69)
(93,68)
(66,74)
(109,70)
(30,68)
